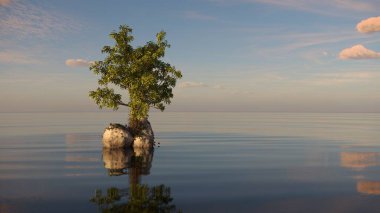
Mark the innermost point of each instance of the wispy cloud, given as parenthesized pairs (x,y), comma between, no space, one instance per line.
(268,77)
(369,25)
(291,42)
(23,19)
(358,52)
(78,62)
(5,2)
(318,79)
(327,7)
(192,84)
(308,40)
(198,16)
(332,79)
(218,86)
(14,57)
(321,5)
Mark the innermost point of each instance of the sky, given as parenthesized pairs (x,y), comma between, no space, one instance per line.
(235,55)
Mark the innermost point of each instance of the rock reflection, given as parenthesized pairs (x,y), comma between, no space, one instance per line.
(137,197)
(133,162)
(368,187)
(117,160)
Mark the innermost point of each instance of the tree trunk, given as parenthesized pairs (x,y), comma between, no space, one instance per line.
(136,126)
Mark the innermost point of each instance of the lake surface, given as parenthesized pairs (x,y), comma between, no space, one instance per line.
(205,162)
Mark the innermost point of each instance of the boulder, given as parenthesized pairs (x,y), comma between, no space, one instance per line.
(117,136)
(146,138)
(142,142)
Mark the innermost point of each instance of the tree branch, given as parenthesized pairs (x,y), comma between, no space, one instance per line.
(122,103)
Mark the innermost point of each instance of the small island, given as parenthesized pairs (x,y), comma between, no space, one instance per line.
(144,76)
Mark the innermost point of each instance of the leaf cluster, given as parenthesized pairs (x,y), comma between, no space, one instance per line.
(141,71)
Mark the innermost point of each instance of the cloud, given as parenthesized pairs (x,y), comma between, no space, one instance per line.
(5,2)
(22,19)
(369,25)
(290,41)
(14,57)
(218,86)
(78,63)
(198,16)
(358,52)
(192,84)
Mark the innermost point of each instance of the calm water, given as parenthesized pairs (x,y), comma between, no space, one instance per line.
(206,162)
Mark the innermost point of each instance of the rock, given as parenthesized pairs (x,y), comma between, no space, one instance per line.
(142,142)
(146,138)
(117,136)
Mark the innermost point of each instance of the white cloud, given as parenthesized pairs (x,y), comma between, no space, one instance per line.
(78,63)
(358,52)
(192,84)
(369,25)
(14,57)
(5,2)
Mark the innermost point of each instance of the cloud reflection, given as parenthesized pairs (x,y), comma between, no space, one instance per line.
(359,160)
(368,187)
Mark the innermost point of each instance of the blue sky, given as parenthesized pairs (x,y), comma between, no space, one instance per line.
(235,55)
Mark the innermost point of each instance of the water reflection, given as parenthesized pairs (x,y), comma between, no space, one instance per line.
(78,161)
(137,197)
(4,208)
(133,162)
(117,160)
(368,187)
(359,161)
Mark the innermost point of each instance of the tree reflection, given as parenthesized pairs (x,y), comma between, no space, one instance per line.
(138,197)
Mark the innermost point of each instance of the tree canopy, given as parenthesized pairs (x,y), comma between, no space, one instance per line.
(148,80)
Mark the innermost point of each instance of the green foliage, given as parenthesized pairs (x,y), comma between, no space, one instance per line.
(148,80)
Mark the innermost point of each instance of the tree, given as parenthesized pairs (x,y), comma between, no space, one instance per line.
(149,80)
